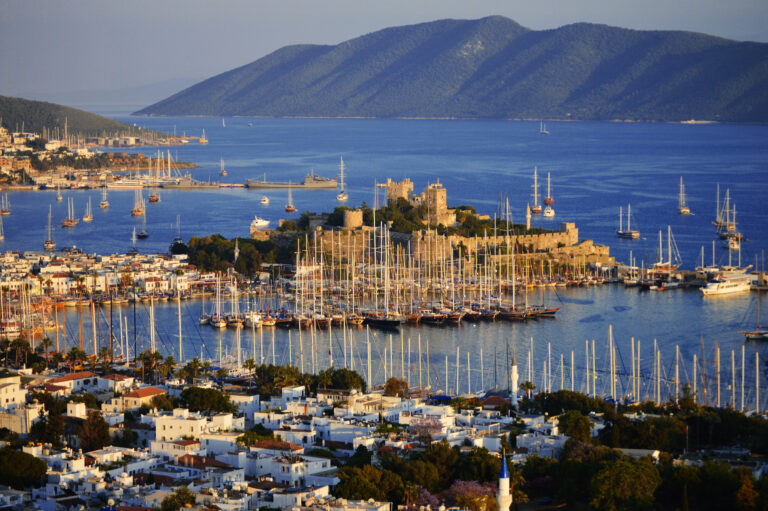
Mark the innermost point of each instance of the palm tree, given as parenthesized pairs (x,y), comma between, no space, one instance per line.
(166,367)
(250,365)
(74,356)
(221,373)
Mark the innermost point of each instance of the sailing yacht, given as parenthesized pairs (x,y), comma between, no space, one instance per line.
(682,207)
(628,233)
(5,206)
(342,195)
(536,208)
(222,170)
(549,211)
(2,231)
(88,216)
(143,233)
(133,250)
(759,333)
(49,244)
(104,204)
(58,194)
(70,221)
(542,128)
(138,204)
(290,208)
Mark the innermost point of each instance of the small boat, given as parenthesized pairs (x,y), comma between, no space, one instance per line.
(70,221)
(49,244)
(682,207)
(264,200)
(5,206)
(628,234)
(542,128)
(104,204)
(258,223)
(222,170)
(536,208)
(142,234)
(759,333)
(154,197)
(342,195)
(88,216)
(549,212)
(290,208)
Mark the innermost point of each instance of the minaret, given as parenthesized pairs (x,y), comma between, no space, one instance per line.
(514,379)
(528,217)
(504,498)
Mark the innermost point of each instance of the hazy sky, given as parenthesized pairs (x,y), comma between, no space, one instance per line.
(75,45)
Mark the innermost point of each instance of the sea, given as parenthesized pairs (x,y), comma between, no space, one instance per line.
(595,168)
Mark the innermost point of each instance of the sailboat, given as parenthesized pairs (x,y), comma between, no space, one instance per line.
(138,204)
(2,231)
(49,244)
(536,208)
(759,333)
(628,233)
(58,194)
(549,211)
(143,233)
(290,208)
(342,196)
(222,170)
(682,207)
(104,204)
(542,128)
(5,206)
(70,221)
(223,124)
(133,250)
(88,216)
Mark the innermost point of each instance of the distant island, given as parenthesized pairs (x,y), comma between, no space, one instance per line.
(495,68)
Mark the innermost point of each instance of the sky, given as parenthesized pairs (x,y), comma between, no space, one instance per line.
(101,45)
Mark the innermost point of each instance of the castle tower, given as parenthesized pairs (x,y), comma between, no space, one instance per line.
(527,217)
(504,498)
(514,378)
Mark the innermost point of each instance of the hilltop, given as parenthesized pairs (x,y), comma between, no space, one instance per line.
(37,116)
(495,68)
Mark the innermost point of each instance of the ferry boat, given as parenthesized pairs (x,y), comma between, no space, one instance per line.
(310,181)
(726,286)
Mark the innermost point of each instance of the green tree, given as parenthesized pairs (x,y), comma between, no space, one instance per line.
(93,432)
(181,498)
(21,470)
(575,425)
(204,399)
(396,387)
(624,484)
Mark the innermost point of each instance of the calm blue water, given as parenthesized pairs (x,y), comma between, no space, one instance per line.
(595,167)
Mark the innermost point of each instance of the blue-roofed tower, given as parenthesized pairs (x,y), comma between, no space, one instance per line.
(504,498)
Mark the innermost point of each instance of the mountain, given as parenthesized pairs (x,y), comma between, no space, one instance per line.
(495,68)
(36,115)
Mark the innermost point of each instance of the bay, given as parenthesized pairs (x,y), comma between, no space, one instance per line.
(595,169)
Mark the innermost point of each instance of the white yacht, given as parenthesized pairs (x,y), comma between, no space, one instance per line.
(727,285)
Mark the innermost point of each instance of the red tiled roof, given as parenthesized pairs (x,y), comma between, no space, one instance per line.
(495,401)
(144,392)
(277,445)
(74,376)
(53,388)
